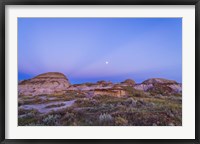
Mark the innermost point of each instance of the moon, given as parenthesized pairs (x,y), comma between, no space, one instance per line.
(106,62)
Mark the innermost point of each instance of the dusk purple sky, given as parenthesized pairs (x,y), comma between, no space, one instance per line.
(93,49)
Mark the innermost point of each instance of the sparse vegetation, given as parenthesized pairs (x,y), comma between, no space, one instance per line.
(51,120)
(105,119)
(133,92)
(110,111)
(157,106)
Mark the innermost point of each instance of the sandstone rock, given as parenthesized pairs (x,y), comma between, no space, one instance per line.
(47,83)
(110,92)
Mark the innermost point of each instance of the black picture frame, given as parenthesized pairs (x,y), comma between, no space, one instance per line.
(3,73)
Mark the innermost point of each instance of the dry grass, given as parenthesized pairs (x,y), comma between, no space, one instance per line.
(133,110)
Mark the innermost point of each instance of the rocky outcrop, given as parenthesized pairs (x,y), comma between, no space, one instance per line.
(56,83)
(110,92)
(176,87)
(47,83)
(160,86)
(159,81)
(143,87)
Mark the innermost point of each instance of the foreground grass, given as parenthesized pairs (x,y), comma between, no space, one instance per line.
(133,110)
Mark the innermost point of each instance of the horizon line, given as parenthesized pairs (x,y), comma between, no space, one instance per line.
(95,81)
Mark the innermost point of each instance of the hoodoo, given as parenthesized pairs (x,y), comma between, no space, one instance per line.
(47,83)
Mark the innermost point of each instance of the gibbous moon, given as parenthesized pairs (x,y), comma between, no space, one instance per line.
(106,62)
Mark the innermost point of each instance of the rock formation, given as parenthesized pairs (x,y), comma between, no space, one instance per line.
(160,86)
(47,83)
(111,92)
(159,81)
(54,83)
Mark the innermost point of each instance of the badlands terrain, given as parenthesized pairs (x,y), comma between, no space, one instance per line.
(50,100)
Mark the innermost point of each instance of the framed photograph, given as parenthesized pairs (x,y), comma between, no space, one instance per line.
(100,71)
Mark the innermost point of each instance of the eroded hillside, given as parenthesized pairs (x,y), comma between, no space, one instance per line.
(50,99)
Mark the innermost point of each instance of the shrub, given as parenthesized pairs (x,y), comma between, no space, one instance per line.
(130,102)
(119,121)
(51,120)
(28,113)
(138,93)
(129,89)
(178,94)
(105,119)
(21,111)
(26,121)
(74,94)
(133,92)
(69,118)
(85,102)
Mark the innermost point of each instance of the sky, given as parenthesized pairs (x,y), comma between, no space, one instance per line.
(93,49)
